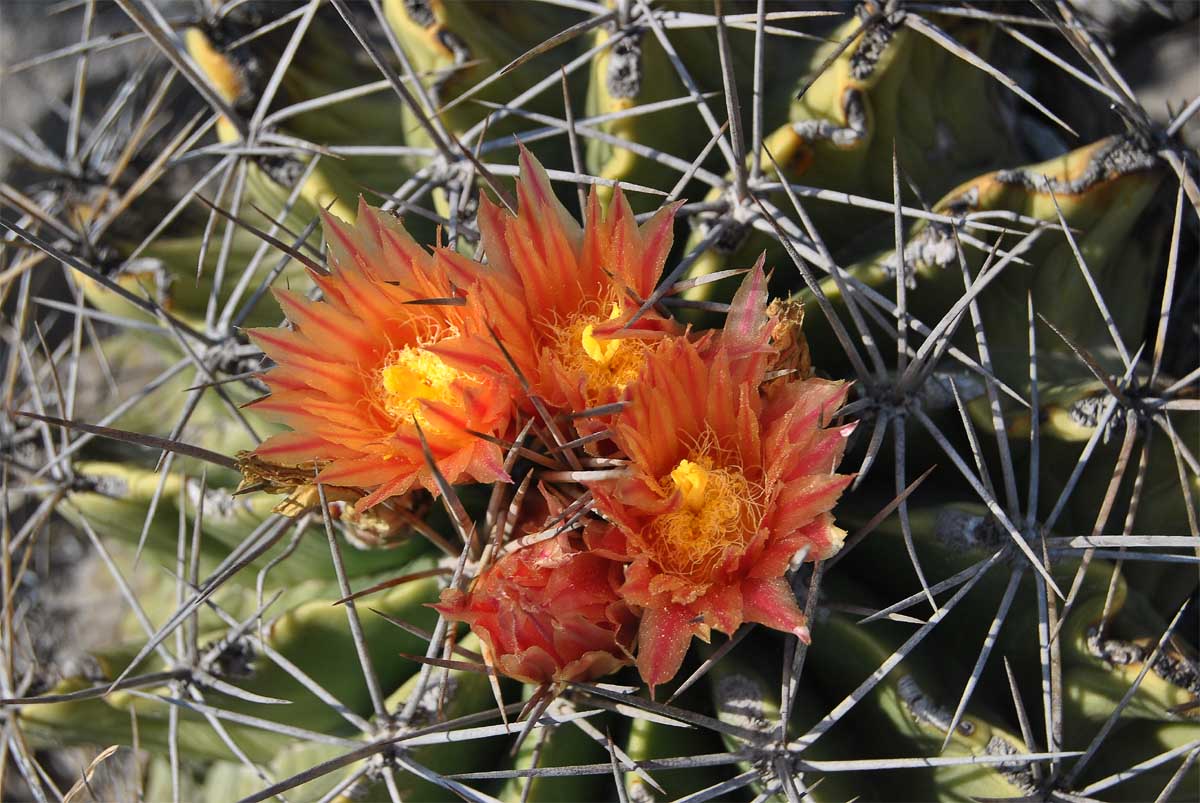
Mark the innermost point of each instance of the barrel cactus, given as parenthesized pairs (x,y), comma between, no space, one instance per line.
(623,400)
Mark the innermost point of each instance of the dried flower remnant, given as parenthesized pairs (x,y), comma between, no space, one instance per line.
(560,298)
(733,477)
(363,367)
(545,614)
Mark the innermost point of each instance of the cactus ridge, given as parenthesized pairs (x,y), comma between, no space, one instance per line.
(965,206)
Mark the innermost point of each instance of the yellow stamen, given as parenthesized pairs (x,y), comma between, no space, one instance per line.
(720,511)
(414,374)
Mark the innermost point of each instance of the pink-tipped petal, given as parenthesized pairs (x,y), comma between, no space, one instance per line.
(663,639)
(772,603)
(346,250)
(657,235)
(747,318)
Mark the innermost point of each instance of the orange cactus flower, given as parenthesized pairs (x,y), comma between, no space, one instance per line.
(362,368)
(545,614)
(732,478)
(559,297)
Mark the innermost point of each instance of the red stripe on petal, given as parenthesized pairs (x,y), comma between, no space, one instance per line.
(400,254)
(346,251)
(294,448)
(284,345)
(283,378)
(286,407)
(657,235)
(623,245)
(444,419)
(366,471)
(369,300)
(772,603)
(470,354)
(394,487)
(487,463)
(663,639)
(493,223)
(746,325)
(802,500)
(462,271)
(342,337)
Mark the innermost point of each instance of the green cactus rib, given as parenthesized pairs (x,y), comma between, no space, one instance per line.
(1013,303)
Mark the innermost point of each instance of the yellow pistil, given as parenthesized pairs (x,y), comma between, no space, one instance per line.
(613,362)
(412,375)
(601,352)
(719,511)
(690,480)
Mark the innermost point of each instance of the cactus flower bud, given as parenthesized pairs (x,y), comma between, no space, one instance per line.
(545,614)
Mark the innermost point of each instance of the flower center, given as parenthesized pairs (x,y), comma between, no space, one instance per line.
(690,479)
(720,512)
(412,375)
(611,362)
(600,352)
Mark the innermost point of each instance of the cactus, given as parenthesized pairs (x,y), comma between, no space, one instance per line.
(895,235)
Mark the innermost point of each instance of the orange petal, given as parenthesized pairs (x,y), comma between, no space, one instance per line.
(394,487)
(365,471)
(461,270)
(283,378)
(335,379)
(284,345)
(663,639)
(543,242)
(657,234)
(285,406)
(820,456)
(802,500)
(346,251)
(487,463)
(470,354)
(493,221)
(372,302)
(398,253)
(341,337)
(534,188)
(611,243)
(772,603)
(294,448)
(747,325)
(724,608)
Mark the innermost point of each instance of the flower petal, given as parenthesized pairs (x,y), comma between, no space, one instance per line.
(772,603)
(663,639)
(295,448)
(747,326)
